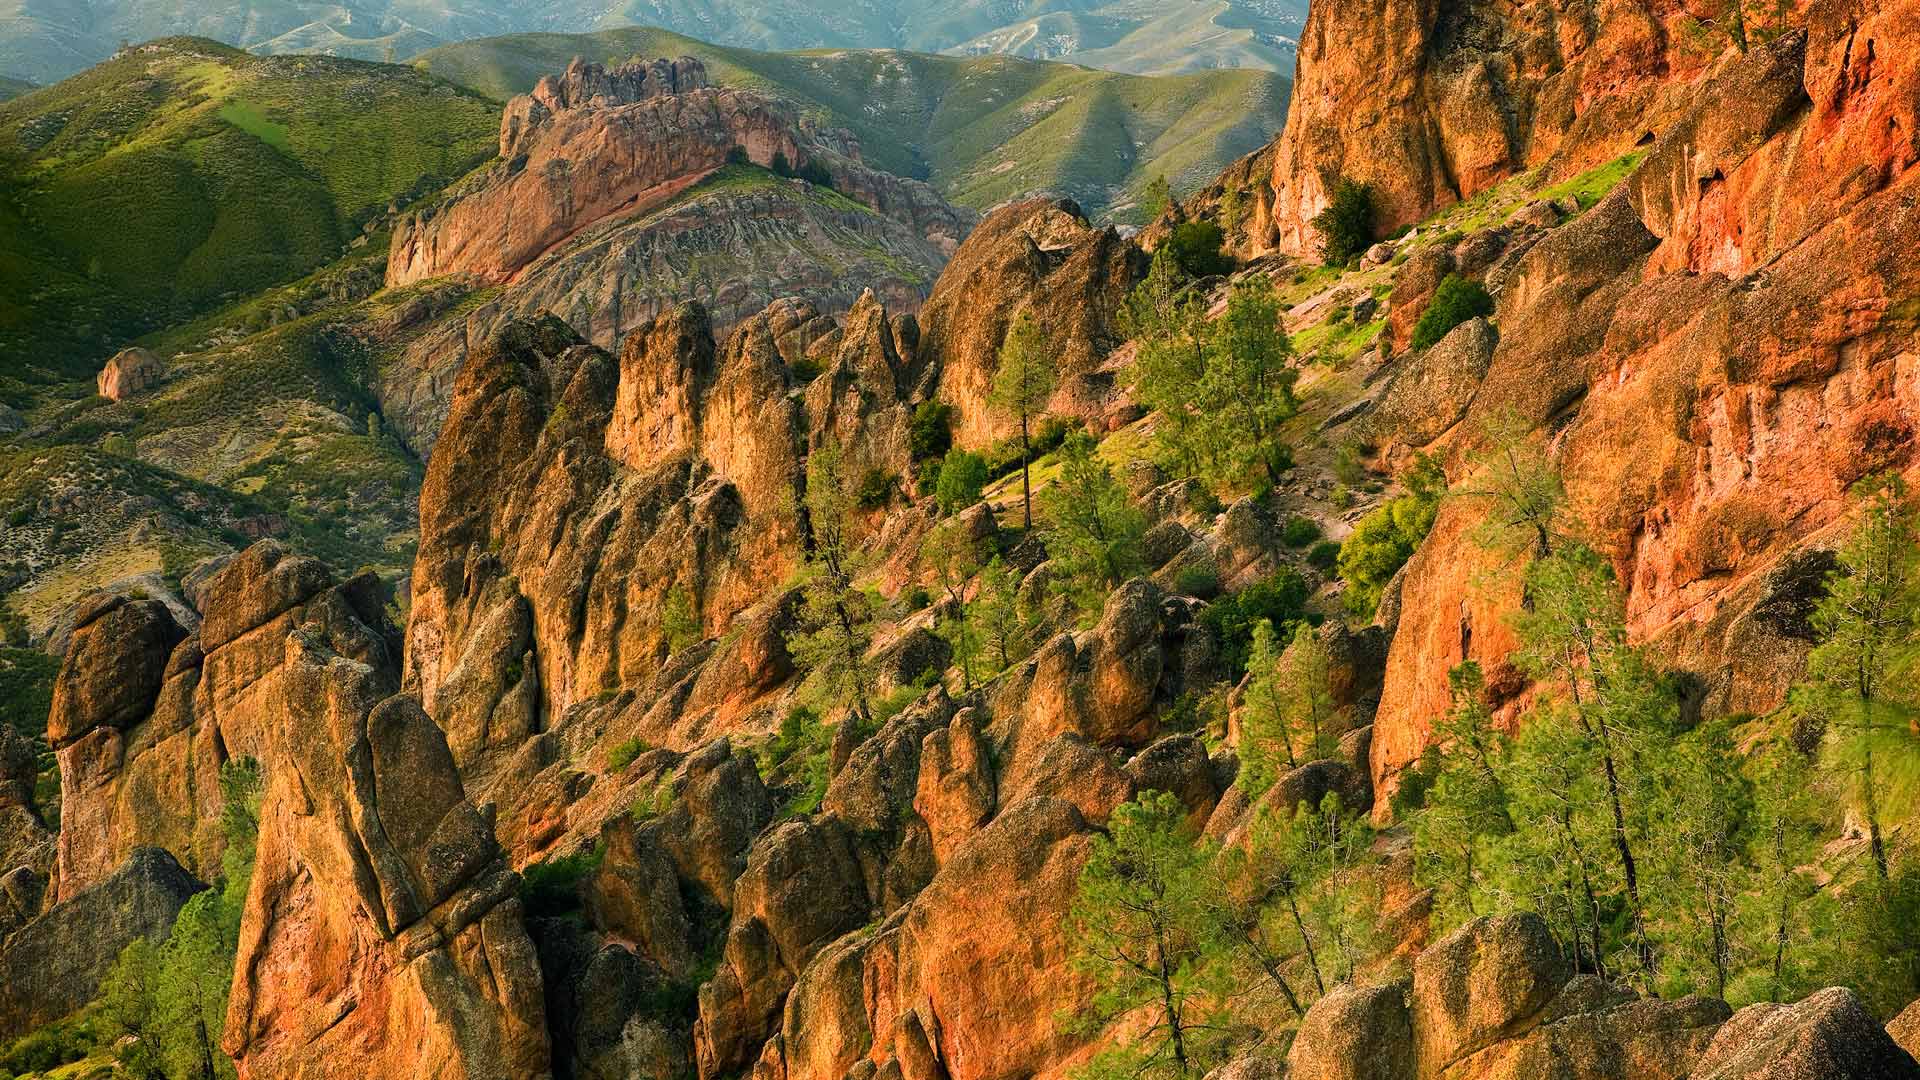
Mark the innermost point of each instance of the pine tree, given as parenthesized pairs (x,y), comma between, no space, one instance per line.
(1141,924)
(1006,630)
(1266,737)
(1094,531)
(1866,624)
(1703,803)
(836,616)
(1021,388)
(1247,392)
(954,560)
(1522,491)
(1467,805)
(1166,319)
(1788,918)
(1289,713)
(1575,632)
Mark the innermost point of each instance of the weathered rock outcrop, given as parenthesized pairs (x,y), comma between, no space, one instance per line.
(25,840)
(594,144)
(1495,1000)
(1430,103)
(144,715)
(1829,1035)
(1719,351)
(382,934)
(1039,256)
(53,965)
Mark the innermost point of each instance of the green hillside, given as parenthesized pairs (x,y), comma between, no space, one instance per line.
(1156,37)
(13,88)
(982,129)
(184,174)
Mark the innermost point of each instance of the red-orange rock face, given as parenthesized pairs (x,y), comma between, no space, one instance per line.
(1431,103)
(596,144)
(1040,256)
(1723,349)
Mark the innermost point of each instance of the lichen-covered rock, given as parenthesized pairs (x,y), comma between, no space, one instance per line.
(53,964)
(1480,984)
(1431,391)
(1355,1033)
(1905,1029)
(1828,1036)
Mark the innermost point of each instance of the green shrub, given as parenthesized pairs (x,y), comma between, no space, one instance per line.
(1385,539)
(1346,226)
(624,753)
(876,489)
(551,887)
(1200,579)
(930,434)
(917,599)
(654,801)
(48,1048)
(1280,598)
(1324,556)
(1299,532)
(1195,245)
(963,477)
(1003,457)
(1457,300)
(1348,468)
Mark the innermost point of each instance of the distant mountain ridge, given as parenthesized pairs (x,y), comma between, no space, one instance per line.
(45,44)
(982,130)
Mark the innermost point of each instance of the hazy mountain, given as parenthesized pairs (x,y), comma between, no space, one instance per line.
(45,40)
(981,129)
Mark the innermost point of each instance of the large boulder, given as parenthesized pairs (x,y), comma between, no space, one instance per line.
(1355,1033)
(1480,984)
(1429,393)
(1828,1036)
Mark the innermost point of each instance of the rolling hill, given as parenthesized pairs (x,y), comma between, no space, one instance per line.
(47,41)
(982,129)
(185,174)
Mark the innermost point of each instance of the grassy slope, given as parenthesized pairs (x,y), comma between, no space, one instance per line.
(219,173)
(1148,39)
(981,129)
(13,88)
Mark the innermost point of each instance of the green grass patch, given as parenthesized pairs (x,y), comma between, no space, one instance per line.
(247,117)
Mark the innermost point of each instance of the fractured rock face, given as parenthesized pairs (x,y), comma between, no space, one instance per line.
(408,956)
(1709,416)
(1432,103)
(53,964)
(1039,256)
